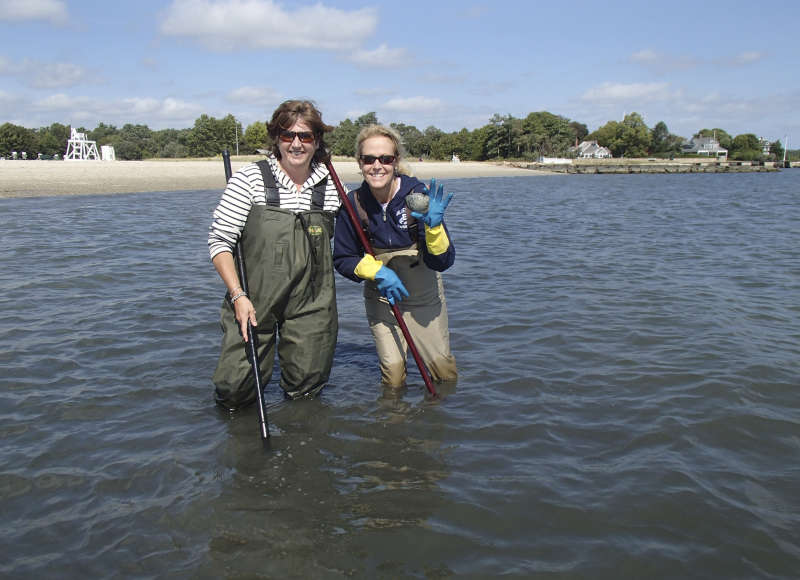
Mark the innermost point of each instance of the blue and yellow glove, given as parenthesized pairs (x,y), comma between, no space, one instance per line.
(389,284)
(435,236)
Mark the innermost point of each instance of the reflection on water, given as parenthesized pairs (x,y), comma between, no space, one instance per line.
(628,352)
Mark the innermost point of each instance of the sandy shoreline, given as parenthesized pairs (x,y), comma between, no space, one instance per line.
(41,178)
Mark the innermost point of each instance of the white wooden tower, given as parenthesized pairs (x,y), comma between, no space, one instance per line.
(79,148)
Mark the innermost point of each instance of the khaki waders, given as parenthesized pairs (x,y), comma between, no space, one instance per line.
(424,312)
(290,278)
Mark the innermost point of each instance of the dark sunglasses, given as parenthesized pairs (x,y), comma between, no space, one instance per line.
(288,136)
(384,159)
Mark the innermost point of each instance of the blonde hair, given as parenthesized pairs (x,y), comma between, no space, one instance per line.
(383,131)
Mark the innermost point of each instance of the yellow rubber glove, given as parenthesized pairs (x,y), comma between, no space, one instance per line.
(368,267)
(436,239)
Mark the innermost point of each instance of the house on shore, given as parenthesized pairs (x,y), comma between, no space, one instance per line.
(591,150)
(708,146)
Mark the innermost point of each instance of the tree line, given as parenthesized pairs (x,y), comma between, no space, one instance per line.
(504,137)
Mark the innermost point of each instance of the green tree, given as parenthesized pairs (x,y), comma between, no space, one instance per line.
(365,120)
(609,135)
(664,143)
(230,134)
(479,144)
(343,139)
(411,137)
(208,137)
(579,131)
(255,137)
(498,141)
(431,143)
(547,135)
(630,138)
(776,151)
(745,147)
(102,134)
(52,140)
(134,142)
(635,136)
(19,139)
(171,143)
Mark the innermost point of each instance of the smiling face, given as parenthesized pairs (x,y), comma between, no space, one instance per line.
(295,155)
(378,176)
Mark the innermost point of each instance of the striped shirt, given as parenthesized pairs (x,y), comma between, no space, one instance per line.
(246,187)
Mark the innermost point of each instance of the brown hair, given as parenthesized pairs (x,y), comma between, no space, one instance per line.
(383,131)
(287,114)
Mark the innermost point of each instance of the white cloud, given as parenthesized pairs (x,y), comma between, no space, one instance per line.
(414,104)
(663,63)
(644,56)
(155,113)
(474,12)
(54,11)
(745,58)
(382,56)
(254,24)
(55,75)
(144,108)
(620,92)
(373,92)
(39,75)
(253,95)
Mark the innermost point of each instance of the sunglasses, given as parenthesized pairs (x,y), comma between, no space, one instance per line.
(288,136)
(384,159)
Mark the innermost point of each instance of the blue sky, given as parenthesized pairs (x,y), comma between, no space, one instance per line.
(451,64)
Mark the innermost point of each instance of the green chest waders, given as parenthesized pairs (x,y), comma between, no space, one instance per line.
(290,277)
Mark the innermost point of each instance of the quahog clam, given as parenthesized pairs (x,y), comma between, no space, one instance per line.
(417,202)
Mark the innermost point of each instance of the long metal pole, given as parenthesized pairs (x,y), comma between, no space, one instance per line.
(351,212)
(252,337)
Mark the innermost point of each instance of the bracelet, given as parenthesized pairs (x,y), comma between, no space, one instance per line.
(238,295)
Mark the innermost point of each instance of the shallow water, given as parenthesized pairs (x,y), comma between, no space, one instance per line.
(629,350)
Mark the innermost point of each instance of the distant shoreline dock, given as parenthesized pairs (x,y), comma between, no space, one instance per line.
(616,166)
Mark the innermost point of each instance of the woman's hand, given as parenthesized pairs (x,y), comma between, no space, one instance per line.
(436,206)
(245,312)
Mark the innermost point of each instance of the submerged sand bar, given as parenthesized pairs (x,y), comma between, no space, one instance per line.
(32,178)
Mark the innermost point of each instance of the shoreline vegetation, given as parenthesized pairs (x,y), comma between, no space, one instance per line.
(33,178)
(653,165)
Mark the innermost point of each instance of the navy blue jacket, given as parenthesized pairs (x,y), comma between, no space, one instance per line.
(389,231)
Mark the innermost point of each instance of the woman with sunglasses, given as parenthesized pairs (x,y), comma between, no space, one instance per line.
(411,249)
(282,209)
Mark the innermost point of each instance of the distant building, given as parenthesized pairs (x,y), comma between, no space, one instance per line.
(766,146)
(705,146)
(591,150)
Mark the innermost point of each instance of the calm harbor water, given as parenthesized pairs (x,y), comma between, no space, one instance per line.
(629,349)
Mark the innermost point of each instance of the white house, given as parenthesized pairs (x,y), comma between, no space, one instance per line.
(705,146)
(591,150)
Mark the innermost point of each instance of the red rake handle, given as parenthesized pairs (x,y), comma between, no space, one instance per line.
(351,212)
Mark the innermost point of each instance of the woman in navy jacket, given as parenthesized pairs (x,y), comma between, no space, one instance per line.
(411,249)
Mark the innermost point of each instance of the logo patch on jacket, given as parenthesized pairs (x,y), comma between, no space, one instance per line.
(402,218)
(315,230)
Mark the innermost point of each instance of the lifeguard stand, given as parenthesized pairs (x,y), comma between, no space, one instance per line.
(79,148)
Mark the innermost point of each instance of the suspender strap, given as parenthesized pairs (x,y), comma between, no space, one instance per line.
(273,196)
(318,194)
(270,187)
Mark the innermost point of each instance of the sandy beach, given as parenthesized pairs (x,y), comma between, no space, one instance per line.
(40,178)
